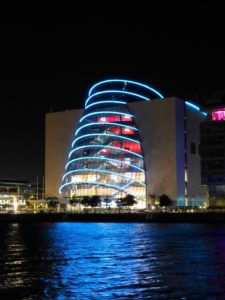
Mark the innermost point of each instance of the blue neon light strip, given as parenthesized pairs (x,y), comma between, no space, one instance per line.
(104,123)
(108,101)
(115,91)
(125,81)
(104,134)
(106,112)
(192,105)
(101,171)
(93,183)
(204,113)
(103,147)
(102,158)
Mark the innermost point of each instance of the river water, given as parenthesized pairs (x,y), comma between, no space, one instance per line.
(112,261)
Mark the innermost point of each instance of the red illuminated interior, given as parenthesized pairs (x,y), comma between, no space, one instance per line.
(109,119)
(115,130)
(114,119)
(127,131)
(119,130)
(131,146)
(126,118)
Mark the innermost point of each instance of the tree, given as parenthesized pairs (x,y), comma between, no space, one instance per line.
(128,200)
(85,201)
(119,204)
(95,201)
(52,201)
(74,201)
(107,201)
(165,200)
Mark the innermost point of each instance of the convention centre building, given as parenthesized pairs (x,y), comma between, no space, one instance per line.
(128,139)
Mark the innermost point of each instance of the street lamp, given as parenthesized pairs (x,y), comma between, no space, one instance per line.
(15,204)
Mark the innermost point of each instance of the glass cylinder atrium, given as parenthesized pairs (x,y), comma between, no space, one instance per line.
(106,158)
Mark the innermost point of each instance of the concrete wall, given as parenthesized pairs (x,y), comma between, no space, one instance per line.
(196,192)
(158,124)
(59,131)
(180,151)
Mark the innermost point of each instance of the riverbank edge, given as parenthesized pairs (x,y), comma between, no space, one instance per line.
(147,217)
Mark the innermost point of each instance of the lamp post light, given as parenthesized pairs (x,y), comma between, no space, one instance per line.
(15,204)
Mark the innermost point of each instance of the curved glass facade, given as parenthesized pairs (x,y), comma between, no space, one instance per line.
(106,158)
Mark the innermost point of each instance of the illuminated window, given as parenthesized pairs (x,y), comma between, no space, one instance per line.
(115,130)
(127,160)
(127,131)
(102,119)
(126,118)
(106,151)
(109,119)
(133,147)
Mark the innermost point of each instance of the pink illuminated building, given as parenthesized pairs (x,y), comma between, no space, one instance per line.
(218,115)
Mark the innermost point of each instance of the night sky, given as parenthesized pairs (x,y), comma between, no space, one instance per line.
(47,68)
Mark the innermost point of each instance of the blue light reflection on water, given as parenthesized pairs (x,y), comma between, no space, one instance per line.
(112,261)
